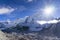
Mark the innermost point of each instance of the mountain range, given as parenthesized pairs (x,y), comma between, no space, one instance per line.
(28,24)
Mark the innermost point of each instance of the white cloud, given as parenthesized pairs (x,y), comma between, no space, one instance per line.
(5,10)
(41,22)
(30,0)
(49,22)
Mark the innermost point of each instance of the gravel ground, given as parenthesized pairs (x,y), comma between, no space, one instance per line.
(30,36)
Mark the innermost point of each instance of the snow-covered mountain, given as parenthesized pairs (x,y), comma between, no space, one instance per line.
(34,25)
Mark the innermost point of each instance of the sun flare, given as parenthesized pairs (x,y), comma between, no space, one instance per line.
(49,10)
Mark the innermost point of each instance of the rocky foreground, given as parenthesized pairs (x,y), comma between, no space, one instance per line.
(27,36)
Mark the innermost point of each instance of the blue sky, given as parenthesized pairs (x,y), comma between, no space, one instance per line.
(13,9)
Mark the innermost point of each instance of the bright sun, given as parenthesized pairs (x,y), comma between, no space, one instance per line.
(48,10)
